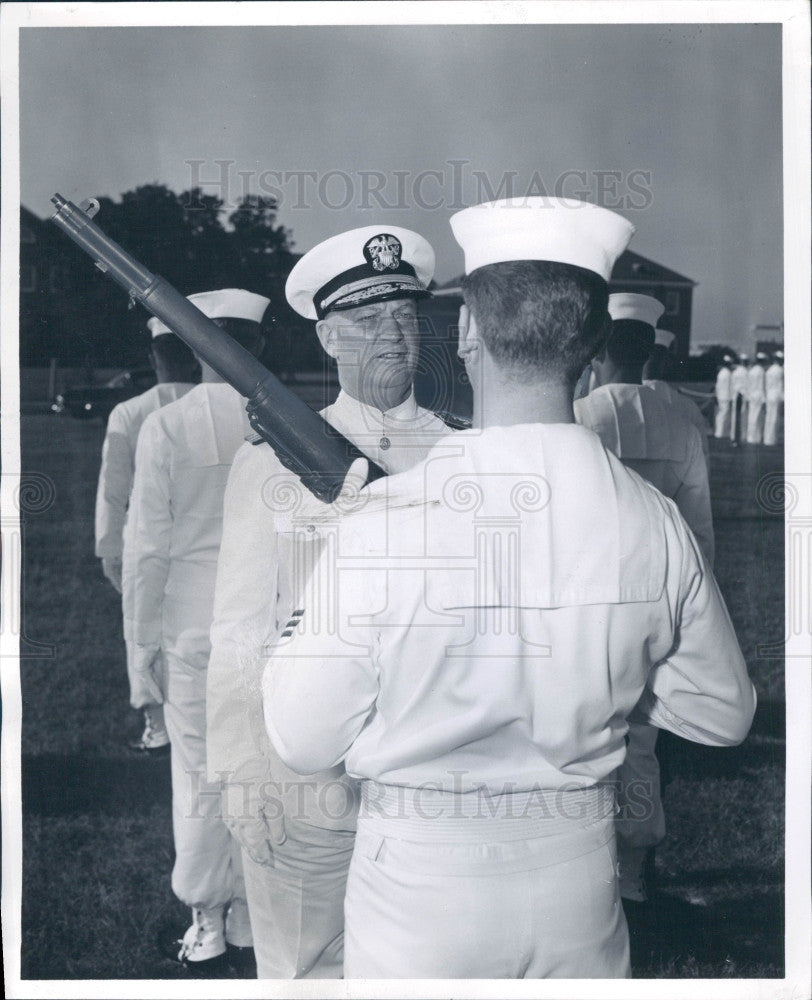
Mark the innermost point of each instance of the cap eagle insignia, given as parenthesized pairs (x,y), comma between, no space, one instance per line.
(383,252)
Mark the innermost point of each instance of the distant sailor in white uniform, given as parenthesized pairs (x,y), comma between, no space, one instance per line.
(660,362)
(738,392)
(640,424)
(724,398)
(486,622)
(176,372)
(756,398)
(654,436)
(361,288)
(184,454)
(774,392)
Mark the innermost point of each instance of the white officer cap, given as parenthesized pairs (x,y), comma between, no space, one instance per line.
(560,230)
(370,264)
(779,354)
(225,303)
(743,357)
(728,359)
(761,356)
(630,305)
(665,338)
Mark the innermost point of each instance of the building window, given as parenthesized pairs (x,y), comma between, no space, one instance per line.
(28,278)
(672,303)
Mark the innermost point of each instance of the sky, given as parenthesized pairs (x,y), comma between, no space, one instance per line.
(678,127)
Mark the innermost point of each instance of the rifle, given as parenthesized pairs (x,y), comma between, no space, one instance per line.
(303,441)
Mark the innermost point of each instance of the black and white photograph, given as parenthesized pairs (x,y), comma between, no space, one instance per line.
(406,499)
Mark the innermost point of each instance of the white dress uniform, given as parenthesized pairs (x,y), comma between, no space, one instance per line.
(723,402)
(756,395)
(662,444)
(675,398)
(184,454)
(643,428)
(117,471)
(488,634)
(738,402)
(774,391)
(297,853)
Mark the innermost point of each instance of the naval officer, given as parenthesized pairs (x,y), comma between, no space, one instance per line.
(497,613)
(362,289)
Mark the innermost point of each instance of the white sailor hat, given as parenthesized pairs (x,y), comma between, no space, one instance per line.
(779,354)
(665,338)
(743,356)
(761,356)
(370,264)
(631,305)
(225,303)
(561,230)
(728,359)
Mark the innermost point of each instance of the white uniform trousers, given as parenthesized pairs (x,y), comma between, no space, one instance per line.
(297,906)
(723,416)
(755,422)
(208,864)
(641,820)
(481,897)
(772,421)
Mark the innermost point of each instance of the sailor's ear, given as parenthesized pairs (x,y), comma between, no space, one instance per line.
(326,333)
(468,337)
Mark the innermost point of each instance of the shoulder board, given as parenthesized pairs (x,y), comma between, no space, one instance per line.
(452,420)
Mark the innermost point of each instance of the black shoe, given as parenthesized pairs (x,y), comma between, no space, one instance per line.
(243,961)
(141,749)
(210,968)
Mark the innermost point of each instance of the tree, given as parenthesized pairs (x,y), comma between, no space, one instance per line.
(182,238)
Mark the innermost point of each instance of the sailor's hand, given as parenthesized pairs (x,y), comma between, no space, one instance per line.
(148,680)
(252,809)
(354,482)
(111,568)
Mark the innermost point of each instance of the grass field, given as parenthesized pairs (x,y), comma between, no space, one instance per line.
(97,833)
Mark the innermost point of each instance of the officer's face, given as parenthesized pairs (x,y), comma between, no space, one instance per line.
(375,345)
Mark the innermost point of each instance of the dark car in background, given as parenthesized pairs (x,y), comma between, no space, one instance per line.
(85,401)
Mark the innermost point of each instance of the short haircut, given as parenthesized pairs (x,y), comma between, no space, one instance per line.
(172,352)
(539,317)
(630,342)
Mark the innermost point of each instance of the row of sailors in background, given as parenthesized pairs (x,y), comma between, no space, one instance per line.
(226,560)
(750,400)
